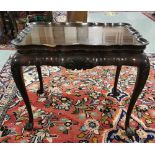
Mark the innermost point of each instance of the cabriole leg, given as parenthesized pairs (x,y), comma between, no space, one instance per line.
(115,92)
(142,75)
(41,90)
(17,74)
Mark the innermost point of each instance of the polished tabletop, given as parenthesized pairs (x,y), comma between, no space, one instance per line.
(55,34)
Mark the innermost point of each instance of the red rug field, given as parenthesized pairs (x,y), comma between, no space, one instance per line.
(77,106)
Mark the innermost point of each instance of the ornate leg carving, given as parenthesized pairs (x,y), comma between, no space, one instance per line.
(142,75)
(18,78)
(41,90)
(115,92)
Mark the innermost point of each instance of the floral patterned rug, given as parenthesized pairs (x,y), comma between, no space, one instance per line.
(77,106)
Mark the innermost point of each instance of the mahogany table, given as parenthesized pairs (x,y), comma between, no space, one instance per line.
(80,46)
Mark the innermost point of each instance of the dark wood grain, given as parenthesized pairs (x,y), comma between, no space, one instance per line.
(86,35)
